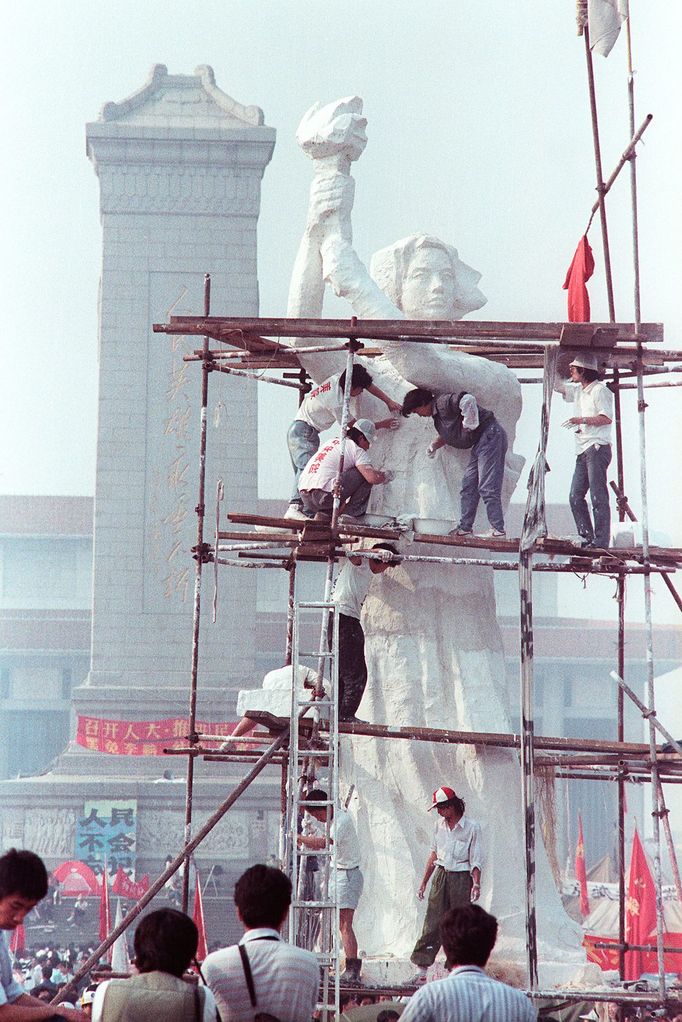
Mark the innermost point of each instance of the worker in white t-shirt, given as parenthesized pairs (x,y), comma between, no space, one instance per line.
(316,484)
(348,882)
(318,411)
(591,423)
(349,594)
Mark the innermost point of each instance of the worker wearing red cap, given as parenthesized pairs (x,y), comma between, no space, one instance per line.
(455,858)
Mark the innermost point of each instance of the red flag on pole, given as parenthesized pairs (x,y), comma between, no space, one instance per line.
(580,872)
(578,273)
(104,910)
(198,916)
(17,942)
(640,909)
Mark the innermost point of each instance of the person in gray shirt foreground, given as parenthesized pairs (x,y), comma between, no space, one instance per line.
(468,935)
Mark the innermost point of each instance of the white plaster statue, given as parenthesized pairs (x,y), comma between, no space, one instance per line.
(433,645)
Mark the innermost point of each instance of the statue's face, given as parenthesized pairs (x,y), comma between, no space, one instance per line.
(429,286)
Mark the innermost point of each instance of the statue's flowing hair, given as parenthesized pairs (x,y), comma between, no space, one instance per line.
(389,266)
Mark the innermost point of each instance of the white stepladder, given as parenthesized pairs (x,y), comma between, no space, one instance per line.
(314,915)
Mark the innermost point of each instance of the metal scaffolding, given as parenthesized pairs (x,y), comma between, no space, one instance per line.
(290,542)
(632,351)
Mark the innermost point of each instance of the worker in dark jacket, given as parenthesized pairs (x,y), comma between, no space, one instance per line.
(460,422)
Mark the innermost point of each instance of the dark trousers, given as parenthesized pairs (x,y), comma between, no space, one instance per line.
(448,890)
(590,474)
(352,666)
(355,492)
(483,478)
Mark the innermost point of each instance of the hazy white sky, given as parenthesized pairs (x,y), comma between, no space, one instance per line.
(478,130)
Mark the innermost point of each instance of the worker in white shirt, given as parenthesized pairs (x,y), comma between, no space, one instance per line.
(591,423)
(349,594)
(456,860)
(318,411)
(348,878)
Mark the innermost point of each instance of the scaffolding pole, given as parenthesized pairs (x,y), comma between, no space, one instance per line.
(199,553)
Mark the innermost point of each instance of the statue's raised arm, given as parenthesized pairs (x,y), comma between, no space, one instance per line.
(419,277)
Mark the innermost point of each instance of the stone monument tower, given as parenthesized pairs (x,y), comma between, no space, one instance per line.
(180,165)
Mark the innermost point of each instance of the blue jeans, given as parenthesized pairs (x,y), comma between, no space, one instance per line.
(482,479)
(303,441)
(355,492)
(590,474)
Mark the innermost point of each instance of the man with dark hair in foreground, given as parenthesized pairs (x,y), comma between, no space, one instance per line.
(285,979)
(468,935)
(165,945)
(23,883)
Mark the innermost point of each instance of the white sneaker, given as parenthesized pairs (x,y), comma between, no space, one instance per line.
(294,511)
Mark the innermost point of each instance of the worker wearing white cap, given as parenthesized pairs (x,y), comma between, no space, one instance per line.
(456,859)
(316,484)
(591,421)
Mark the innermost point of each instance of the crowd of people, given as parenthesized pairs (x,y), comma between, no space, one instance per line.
(262,978)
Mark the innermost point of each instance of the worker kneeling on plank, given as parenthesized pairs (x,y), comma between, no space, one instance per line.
(316,484)
(318,411)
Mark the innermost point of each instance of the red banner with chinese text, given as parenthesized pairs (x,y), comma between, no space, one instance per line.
(142,737)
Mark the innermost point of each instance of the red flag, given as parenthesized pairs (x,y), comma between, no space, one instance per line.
(104,910)
(640,909)
(198,917)
(580,271)
(580,872)
(17,942)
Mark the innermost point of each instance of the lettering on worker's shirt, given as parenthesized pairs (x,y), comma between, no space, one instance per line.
(319,458)
(324,388)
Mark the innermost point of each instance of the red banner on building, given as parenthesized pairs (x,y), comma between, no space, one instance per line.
(142,737)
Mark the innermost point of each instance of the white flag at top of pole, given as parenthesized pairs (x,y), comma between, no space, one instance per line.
(605,18)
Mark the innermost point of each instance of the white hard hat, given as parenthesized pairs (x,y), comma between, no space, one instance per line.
(366,427)
(585,362)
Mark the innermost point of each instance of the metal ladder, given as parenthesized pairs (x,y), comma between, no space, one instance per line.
(315,767)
